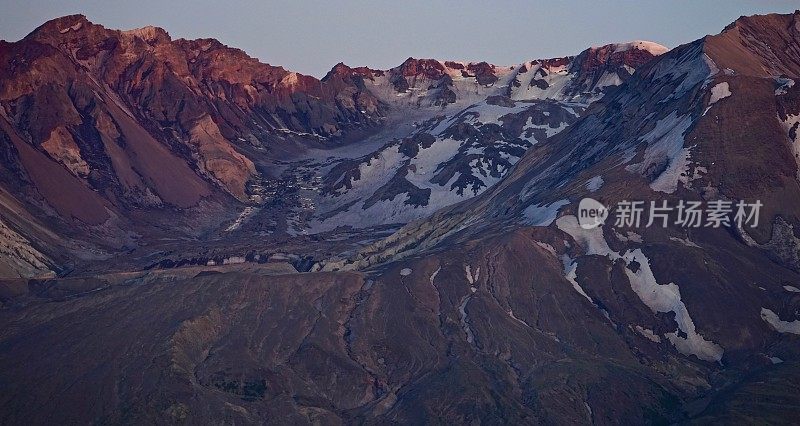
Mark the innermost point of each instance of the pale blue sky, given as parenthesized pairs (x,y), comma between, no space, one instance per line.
(312,36)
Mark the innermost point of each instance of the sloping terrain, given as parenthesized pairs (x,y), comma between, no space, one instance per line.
(472,123)
(99,125)
(121,140)
(700,123)
(241,347)
(435,206)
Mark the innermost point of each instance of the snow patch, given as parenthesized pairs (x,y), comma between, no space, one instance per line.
(542,215)
(691,68)
(571,274)
(74,27)
(243,216)
(608,79)
(779,325)
(405,272)
(594,183)
(719,91)
(629,236)
(592,240)
(657,297)
(784,84)
(434,274)
(472,278)
(665,143)
(549,131)
(654,48)
(547,247)
(685,241)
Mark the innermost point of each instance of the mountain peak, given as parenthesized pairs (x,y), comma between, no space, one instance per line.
(760,45)
(783,20)
(149,34)
(650,47)
(654,48)
(57,29)
(62,25)
(431,68)
(344,71)
(632,54)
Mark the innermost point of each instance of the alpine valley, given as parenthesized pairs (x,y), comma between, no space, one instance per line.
(189,235)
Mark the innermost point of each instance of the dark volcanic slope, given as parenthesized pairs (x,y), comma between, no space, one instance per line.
(491,332)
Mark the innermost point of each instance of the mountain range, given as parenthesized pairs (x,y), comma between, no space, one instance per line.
(191,235)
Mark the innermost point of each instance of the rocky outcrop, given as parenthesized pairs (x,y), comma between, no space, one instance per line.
(110,106)
(99,123)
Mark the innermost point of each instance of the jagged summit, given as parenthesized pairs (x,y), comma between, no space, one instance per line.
(436,68)
(150,34)
(74,23)
(69,28)
(342,70)
(61,25)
